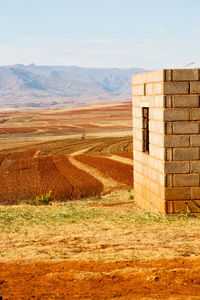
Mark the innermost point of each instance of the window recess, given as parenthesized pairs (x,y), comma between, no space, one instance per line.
(145,129)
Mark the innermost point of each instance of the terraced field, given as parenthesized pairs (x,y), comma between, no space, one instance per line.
(37,152)
(28,173)
(33,127)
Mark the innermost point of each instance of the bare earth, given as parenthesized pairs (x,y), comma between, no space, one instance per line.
(100,247)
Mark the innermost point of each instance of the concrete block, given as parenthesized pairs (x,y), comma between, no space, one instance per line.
(156,164)
(169,180)
(156,139)
(137,123)
(195,87)
(193,206)
(137,112)
(195,166)
(185,74)
(195,140)
(137,145)
(195,193)
(156,127)
(177,193)
(149,101)
(176,114)
(156,114)
(154,76)
(138,90)
(186,154)
(136,100)
(157,152)
(177,141)
(168,101)
(185,127)
(168,75)
(186,180)
(168,154)
(186,101)
(154,88)
(177,207)
(157,101)
(195,114)
(176,167)
(137,134)
(168,128)
(175,88)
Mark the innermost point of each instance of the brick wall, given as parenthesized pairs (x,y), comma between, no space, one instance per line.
(167,179)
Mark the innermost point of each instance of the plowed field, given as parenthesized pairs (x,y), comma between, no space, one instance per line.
(125,154)
(84,184)
(119,171)
(24,177)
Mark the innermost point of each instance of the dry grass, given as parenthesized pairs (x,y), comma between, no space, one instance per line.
(81,230)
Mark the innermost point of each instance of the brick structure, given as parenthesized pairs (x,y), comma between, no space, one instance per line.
(166,140)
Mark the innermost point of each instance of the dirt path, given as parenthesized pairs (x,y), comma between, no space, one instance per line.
(108,183)
(155,279)
(121,159)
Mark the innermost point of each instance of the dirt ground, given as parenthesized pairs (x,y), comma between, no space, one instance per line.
(160,279)
(97,248)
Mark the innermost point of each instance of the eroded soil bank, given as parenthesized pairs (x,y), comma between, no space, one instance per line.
(164,278)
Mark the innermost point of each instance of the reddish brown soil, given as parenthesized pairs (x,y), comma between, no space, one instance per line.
(24,177)
(88,126)
(111,204)
(22,154)
(119,171)
(19,129)
(84,184)
(158,279)
(125,154)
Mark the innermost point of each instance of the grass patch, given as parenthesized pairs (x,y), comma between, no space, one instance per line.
(22,119)
(80,212)
(79,230)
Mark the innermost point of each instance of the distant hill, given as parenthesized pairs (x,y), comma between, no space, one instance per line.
(46,86)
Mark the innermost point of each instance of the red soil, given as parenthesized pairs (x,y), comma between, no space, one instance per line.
(19,129)
(156,279)
(125,154)
(88,126)
(2,115)
(119,171)
(23,177)
(19,180)
(22,154)
(84,184)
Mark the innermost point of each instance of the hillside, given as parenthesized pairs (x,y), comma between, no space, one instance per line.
(51,86)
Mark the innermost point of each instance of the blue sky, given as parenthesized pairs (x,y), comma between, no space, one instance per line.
(150,34)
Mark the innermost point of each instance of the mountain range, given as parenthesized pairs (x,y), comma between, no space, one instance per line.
(63,86)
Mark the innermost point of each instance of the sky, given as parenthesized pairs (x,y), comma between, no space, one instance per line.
(150,34)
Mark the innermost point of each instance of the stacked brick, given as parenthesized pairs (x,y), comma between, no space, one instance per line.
(167,179)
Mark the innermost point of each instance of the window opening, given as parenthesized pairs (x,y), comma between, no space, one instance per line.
(145,118)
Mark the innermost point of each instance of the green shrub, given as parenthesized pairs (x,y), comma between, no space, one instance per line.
(131,197)
(44,200)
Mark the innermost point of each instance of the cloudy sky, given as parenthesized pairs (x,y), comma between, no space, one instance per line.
(150,34)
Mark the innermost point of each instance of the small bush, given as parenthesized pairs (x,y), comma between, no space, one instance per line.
(131,197)
(44,200)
